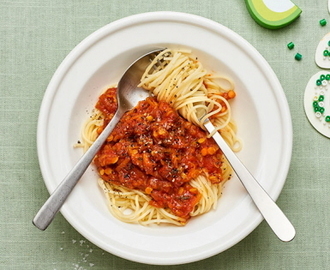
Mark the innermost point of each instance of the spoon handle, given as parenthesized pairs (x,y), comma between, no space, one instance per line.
(274,216)
(50,208)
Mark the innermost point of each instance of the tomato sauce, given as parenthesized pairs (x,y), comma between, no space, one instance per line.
(155,150)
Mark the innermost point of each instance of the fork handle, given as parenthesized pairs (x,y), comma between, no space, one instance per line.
(54,203)
(274,216)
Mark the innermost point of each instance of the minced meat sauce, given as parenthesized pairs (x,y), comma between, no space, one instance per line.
(155,150)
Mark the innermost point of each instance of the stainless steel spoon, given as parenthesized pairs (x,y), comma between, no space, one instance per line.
(128,95)
(274,216)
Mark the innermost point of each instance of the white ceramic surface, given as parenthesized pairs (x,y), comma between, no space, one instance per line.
(260,110)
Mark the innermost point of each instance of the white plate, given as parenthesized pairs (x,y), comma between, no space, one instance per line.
(260,109)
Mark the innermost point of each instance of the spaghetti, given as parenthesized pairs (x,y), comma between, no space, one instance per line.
(156,167)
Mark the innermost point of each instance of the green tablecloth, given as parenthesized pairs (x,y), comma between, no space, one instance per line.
(35,38)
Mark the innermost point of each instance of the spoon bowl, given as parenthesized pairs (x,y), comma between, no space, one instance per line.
(128,95)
